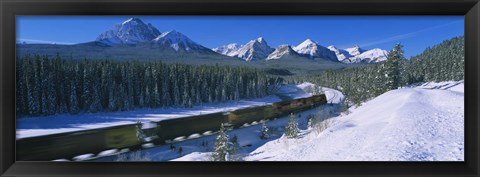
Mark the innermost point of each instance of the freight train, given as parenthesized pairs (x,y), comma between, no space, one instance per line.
(71,144)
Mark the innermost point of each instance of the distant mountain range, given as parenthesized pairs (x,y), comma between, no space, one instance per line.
(138,34)
(258,49)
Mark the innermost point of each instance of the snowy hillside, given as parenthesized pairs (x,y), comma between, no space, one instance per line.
(177,41)
(314,50)
(421,123)
(131,31)
(356,54)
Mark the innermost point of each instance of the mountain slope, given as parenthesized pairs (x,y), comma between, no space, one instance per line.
(254,50)
(281,51)
(228,50)
(131,31)
(177,41)
(356,54)
(314,50)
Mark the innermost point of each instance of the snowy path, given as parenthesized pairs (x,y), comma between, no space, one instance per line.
(410,124)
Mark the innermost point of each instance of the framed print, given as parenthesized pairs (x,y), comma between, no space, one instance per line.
(239,88)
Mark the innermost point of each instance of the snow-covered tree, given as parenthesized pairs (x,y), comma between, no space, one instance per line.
(291,131)
(222,147)
(264,131)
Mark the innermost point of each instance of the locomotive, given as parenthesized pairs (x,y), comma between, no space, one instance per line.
(71,144)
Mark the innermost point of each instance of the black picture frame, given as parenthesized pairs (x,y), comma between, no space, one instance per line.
(10,8)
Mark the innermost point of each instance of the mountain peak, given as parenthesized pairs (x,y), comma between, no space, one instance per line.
(177,41)
(131,31)
(260,39)
(355,50)
(356,54)
(314,50)
(308,40)
(332,47)
(228,50)
(133,20)
(281,51)
(256,49)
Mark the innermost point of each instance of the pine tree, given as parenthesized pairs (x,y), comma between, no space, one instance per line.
(221,149)
(74,109)
(235,146)
(393,67)
(292,127)
(264,131)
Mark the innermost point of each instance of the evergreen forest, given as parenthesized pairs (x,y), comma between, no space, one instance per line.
(47,86)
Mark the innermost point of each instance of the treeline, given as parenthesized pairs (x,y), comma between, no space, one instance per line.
(442,62)
(47,86)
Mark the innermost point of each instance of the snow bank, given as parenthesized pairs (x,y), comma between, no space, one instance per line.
(423,123)
(196,156)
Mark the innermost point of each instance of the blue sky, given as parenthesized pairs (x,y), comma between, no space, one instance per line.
(414,32)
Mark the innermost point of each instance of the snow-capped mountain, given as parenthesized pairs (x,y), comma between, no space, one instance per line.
(314,50)
(131,31)
(373,56)
(281,51)
(341,54)
(229,50)
(257,49)
(356,54)
(177,41)
(355,50)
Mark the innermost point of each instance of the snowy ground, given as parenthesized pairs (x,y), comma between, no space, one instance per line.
(420,123)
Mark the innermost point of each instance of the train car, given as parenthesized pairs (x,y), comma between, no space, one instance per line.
(241,116)
(173,128)
(71,144)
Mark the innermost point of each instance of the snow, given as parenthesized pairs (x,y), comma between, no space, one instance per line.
(313,49)
(373,55)
(108,152)
(195,156)
(83,157)
(177,40)
(355,50)
(420,123)
(280,51)
(356,54)
(256,49)
(229,50)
